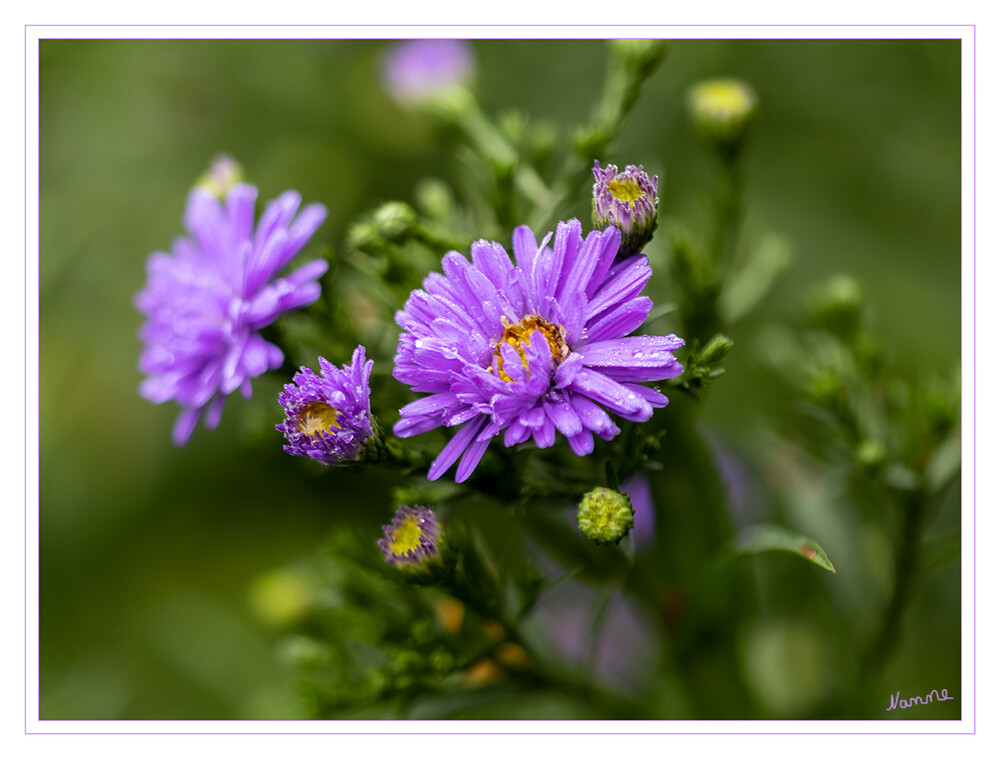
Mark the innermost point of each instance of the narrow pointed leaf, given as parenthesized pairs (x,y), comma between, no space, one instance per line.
(767,538)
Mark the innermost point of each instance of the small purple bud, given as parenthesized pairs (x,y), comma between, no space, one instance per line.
(626,200)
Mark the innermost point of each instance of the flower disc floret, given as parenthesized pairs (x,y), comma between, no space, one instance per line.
(207,300)
(328,416)
(531,347)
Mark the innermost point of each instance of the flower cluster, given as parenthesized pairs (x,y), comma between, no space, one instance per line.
(207,300)
(531,347)
(328,416)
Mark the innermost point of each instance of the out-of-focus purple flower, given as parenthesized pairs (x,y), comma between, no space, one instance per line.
(411,539)
(626,200)
(636,486)
(418,71)
(328,416)
(620,647)
(530,348)
(207,300)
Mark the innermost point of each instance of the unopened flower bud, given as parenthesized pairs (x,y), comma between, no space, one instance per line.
(413,538)
(429,73)
(721,110)
(644,55)
(715,350)
(395,221)
(626,200)
(836,306)
(605,515)
(221,176)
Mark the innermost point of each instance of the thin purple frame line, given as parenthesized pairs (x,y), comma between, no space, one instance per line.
(519,26)
(25,391)
(393,733)
(974,458)
(975,680)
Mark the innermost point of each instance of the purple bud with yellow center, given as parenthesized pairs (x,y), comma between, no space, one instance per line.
(328,415)
(412,538)
(626,200)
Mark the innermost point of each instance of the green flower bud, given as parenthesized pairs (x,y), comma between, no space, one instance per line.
(605,515)
(395,221)
(870,454)
(644,55)
(836,306)
(716,349)
(721,110)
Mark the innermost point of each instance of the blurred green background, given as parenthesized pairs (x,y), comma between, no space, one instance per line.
(149,553)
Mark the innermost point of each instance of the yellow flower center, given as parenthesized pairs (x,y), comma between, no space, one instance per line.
(406,537)
(627,190)
(317,418)
(517,335)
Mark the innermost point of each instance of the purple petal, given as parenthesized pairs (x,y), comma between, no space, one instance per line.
(619,321)
(635,359)
(455,447)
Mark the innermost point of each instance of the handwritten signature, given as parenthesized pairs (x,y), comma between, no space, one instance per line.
(902,703)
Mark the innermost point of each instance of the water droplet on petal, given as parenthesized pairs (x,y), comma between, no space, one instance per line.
(637,354)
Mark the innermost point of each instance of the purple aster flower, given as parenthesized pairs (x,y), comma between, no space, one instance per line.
(328,417)
(626,200)
(411,539)
(532,347)
(206,301)
(418,71)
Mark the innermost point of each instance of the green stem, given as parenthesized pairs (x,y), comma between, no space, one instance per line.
(622,83)
(907,564)
(490,142)
(729,211)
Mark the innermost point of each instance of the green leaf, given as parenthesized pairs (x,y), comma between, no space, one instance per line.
(766,264)
(766,538)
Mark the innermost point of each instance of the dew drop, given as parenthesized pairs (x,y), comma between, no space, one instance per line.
(637,354)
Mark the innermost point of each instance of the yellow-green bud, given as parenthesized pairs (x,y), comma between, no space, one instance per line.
(837,305)
(870,453)
(721,109)
(605,515)
(644,55)
(715,350)
(394,221)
